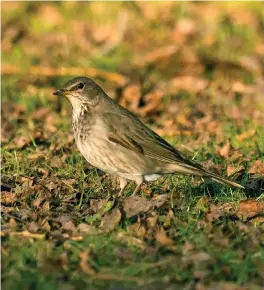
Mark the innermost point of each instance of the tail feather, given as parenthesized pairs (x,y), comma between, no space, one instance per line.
(197,169)
(226,182)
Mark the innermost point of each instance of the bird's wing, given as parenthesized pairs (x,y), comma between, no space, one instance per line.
(131,133)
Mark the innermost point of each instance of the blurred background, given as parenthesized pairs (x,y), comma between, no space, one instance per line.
(148,56)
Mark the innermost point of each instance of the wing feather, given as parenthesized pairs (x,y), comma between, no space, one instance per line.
(131,133)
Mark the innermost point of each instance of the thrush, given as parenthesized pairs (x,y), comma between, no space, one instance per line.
(114,140)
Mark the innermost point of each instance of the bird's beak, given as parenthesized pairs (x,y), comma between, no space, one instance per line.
(60,92)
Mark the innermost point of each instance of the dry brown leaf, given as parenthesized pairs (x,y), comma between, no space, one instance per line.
(50,124)
(138,230)
(100,206)
(40,113)
(183,28)
(56,162)
(131,96)
(20,142)
(203,204)
(33,227)
(84,263)
(163,239)
(157,55)
(45,225)
(225,150)
(189,83)
(215,212)
(259,220)
(8,197)
(102,33)
(110,220)
(249,208)
(50,14)
(69,226)
(26,234)
(246,135)
(87,229)
(9,69)
(240,87)
(235,171)
(36,202)
(12,223)
(35,156)
(152,221)
(67,71)
(257,167)
(153,102)
(198,258)
(135,205)
(130,240)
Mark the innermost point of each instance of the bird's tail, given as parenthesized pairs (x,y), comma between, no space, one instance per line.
(225,181)
(197,169)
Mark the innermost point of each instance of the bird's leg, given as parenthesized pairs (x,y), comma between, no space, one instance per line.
(123,184)
(136,189)
(139,183)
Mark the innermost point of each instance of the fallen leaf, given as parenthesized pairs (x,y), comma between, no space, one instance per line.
(214,213)
(185,26)
(135,205)
(9,69)
(138,229)
(46,71)
(257,221)
(203,204)
(87,229)
(225,150)
(235,171)
(189,84)
(152,221)
(156,55)
(245,135)
(20,142)
(130,240)
(33,227)
(50,15)
(249,208)
(163,239)
(100,206)
(131,96)
(198,258)
(56,162)
(84,263)
(110,220)
(153,102)
(8,197)
(257,167)
(26,234)
(36,202)
(12,224)
(69,226)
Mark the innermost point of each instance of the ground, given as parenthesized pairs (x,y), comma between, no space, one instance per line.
(193,72)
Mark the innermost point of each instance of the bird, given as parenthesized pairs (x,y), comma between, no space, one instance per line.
(113,139)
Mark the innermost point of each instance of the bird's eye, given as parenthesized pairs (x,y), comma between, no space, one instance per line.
(80,86)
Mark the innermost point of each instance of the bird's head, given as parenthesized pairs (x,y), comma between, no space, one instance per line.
(81,90)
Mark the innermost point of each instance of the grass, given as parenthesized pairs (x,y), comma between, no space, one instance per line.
(51,236)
